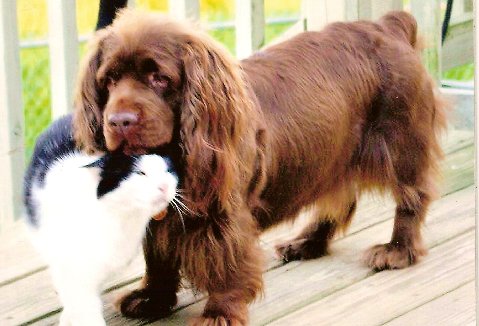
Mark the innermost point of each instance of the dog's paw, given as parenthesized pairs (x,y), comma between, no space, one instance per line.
(146,304)
(215,321)
(301,249)
(389,256)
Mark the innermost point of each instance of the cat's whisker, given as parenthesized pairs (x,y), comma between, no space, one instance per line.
(177,208)
(179,195)
(180,214)
(148,230)
(186,208)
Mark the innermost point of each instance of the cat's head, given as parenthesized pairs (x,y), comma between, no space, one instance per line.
(141,182)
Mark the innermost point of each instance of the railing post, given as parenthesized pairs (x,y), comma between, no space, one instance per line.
(185,9)
(63,47)
(249,27)
(427,13)
(458,47)
(319,13)
(373,9)
(462,11)
(12,161)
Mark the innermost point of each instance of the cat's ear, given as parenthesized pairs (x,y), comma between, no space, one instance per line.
(100,163)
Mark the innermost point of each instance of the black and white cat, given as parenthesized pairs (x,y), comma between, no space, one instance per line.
(88,214)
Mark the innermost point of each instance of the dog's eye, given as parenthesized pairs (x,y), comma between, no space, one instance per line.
(157,80)
(112,76)
(110,81)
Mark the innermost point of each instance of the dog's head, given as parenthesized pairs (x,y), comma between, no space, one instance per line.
(148,78)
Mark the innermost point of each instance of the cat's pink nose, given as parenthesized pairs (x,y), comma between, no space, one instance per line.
(163,188)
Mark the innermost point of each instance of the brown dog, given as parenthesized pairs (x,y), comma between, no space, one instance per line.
(308,123)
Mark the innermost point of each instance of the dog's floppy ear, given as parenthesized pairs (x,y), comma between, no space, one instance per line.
(89,99)
(217,122)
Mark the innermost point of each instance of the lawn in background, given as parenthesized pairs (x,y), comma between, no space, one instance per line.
(33,25)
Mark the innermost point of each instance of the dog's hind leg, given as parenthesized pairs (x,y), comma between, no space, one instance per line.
(414,154)
(401,151)
(406,246)
(314,239)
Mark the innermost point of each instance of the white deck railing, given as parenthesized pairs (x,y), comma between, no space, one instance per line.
(250,24)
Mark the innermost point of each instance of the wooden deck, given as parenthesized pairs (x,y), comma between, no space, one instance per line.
(334,290)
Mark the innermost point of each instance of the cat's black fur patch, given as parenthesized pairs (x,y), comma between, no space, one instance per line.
(115,167)
(54,143)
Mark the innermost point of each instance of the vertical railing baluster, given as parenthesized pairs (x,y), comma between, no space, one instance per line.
(185,9)
(250,24)
(428,15)
(12,161)
(373,9)
(63,47)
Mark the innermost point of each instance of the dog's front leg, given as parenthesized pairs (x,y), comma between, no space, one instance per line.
(233,264)
(156,296)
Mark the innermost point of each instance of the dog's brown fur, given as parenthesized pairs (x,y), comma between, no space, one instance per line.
(308,123)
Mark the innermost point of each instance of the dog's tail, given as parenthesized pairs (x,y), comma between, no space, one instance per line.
(402,25)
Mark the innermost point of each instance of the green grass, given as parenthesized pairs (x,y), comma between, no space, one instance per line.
(461,73)
(35,67)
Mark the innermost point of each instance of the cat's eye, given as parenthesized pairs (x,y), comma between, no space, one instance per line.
(140,172)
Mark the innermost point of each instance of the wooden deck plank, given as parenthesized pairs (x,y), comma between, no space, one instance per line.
(453,140)
(459,165)
(385,295)
(324,271)
(20,259)
(34,296)
(298,283)
(455,308)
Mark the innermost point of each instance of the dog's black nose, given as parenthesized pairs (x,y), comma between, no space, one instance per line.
(122,121)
